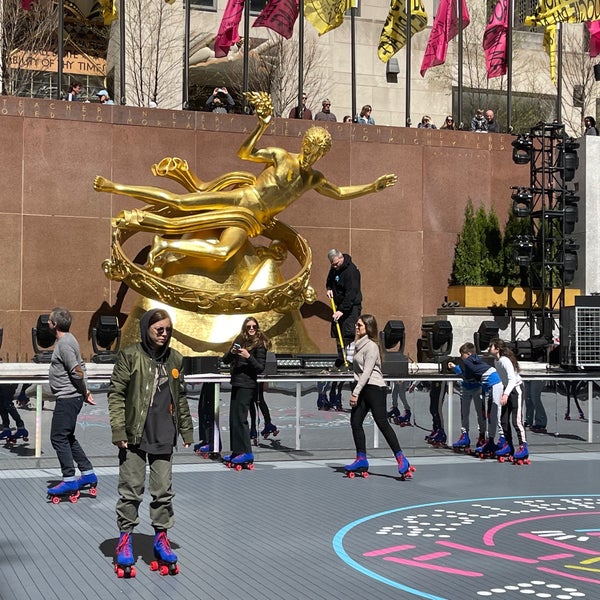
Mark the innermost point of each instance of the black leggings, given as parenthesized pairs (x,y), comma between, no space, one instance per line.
(372,398)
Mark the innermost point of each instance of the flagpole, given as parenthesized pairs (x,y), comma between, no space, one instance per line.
(408,59)
(123,99)
(509,47)
(353,57)
(559,73)
(459,104)
(300,106)
(185,104)
(246,68)
(59,49)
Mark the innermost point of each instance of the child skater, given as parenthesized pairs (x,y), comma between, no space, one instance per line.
(512,401)
(369,394)
(476,370)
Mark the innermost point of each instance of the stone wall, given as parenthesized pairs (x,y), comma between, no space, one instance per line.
(56,230)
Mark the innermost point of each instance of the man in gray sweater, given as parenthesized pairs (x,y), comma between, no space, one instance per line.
(69,385)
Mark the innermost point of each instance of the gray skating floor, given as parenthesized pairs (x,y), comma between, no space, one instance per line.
(299,529)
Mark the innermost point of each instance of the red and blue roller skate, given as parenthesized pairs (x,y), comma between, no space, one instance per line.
(393,414)
(89,482)
(521,456)
(207,451)
(6,435)
(269,429)
(439,439)
(359,467)
(404,467)
(242,461)
(404,420)
(166,559)
(463,443)
(124,559)
(504,452)
(20,434)
(487,450)
(65,489)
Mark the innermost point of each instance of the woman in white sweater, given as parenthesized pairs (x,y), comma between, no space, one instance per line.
(512,398)
(369,394)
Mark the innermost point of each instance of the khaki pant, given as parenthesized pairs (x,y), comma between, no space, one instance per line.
(132,479)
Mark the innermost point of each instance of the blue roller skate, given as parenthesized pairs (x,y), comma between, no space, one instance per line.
(431,435)
(64,489)
(393,414)
(166,559)
(207,451)
(487,450)
(269,429)
(124,559)
(404,467)
(6,434)
(521,456)
(242,461)
(463,443)
(439,439)
(504,451)
(404,420)
(88,481)
(20,434)
(359,467)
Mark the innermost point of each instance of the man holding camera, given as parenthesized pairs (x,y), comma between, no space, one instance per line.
(220,101)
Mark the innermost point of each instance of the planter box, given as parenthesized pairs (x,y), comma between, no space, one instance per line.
(481,296)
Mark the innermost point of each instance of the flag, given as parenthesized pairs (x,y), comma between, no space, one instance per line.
(393,34)
(494,41)
(109,11)
(228,30)
(551,48)
(280,16)
(445,27)
(594,29)
(550,12)
(325,15)
(26,4)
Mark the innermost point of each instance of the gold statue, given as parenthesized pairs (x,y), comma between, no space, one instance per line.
(206,231)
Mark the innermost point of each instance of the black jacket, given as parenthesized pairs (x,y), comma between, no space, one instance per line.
(345,285)
(245,371)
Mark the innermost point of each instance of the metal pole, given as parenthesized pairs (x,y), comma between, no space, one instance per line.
(246,65)
(300,57)
(59,50)
(459,99)
(122,99)
(185,104)
(408,59)
(559,53)
(353,56)
(509,47)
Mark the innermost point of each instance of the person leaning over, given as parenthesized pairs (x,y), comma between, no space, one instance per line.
(148,410)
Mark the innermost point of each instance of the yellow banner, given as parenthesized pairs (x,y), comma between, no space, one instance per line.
(325,15)
(551,48)
(393,34)
(550,12)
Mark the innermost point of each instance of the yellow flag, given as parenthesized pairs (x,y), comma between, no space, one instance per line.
(109,11)
(551,48)
(325,15)
(393,34)
(550,12)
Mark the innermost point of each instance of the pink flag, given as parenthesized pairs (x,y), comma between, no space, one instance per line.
(228,30)
(26,4)
(445,27)
(280,16)
(494,41)
(594,29)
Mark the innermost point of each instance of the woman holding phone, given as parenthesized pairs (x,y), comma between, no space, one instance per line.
(247,357)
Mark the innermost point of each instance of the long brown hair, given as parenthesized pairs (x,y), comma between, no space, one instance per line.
(251,342)
(372,330)
(504,350)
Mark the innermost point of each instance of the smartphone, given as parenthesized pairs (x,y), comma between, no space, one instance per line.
(236,348)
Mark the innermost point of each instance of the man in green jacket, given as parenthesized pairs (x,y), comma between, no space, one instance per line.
(148,409)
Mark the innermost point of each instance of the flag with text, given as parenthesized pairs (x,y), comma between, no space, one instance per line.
(280,16)
(494,41)
(393,34)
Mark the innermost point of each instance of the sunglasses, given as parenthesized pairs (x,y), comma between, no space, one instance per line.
(161,330)
(248,327)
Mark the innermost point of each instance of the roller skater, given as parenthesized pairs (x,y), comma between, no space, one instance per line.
(124,559)
(359,467)
(369,394)
(399,389)
(463,443)
(504,452)
(166,559)
(241,461)
(7,410)
(65,489)
(521,456)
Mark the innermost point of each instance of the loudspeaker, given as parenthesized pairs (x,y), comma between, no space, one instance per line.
(200,364)
(395,364)
(271,365)
(393,333)
(597,72)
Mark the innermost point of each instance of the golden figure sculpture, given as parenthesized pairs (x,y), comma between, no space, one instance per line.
(203,236)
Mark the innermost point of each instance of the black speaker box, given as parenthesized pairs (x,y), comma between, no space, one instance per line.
(200,364)
(270,366)
(395,364)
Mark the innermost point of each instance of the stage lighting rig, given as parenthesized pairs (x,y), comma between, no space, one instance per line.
(42,339)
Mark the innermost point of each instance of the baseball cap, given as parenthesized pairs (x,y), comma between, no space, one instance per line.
(102,93)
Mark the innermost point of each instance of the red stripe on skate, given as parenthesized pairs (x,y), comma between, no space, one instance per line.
(390,550)
(543,540)
(519,559)
(451,571)
(555,556)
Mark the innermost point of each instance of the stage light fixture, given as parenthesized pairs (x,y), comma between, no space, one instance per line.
(568,159)
(42,340)
(488,330)
(523,249)
(439,340)
(522,199)
(106,339)
(522,149)
(393,334)
(570,262)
